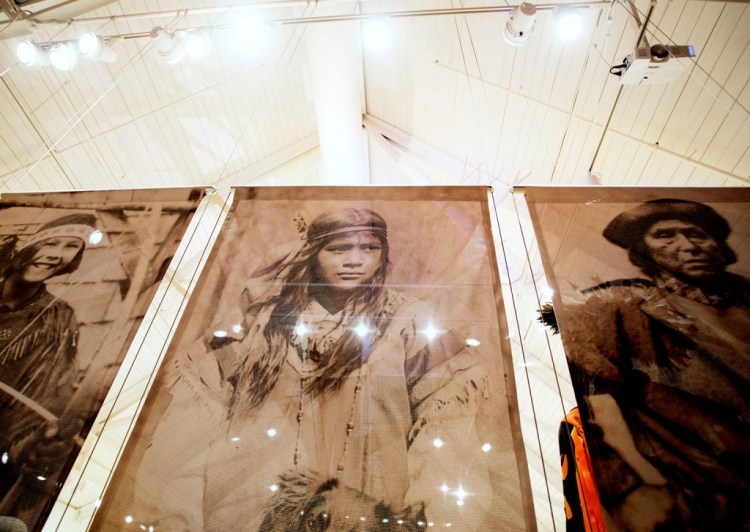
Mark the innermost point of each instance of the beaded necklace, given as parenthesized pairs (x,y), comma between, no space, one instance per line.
(312,340)
(312,347)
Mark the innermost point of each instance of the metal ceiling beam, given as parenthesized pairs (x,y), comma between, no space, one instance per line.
(9,8)
(271,163)
(425,151)
(397,155)
(440,158)
(15,26)
(22,21)
(68,9)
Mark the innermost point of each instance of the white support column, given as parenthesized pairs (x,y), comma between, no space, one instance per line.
(335,67)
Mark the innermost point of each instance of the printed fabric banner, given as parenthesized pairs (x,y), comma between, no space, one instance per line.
(652,298)
(343,365)
(78,273)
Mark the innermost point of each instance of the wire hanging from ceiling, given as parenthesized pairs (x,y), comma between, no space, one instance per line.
(225,202)
(172,43)
(538,299)
(539,305)
(654,34)
(468,81)
(619,92)
(575,96)
(484,83)
(138,356)
(604,84)
(735,101)
(525,361)
(76,118)
(645,30)
(33,160)
(263,119)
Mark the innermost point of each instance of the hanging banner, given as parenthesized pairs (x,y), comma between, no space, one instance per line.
(652,299)
(343,364)
(78,273)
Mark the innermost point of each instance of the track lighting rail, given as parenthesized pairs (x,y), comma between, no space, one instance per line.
(35,17)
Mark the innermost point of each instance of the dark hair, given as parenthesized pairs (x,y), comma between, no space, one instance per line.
(23,257)
(300,281)
(628,229)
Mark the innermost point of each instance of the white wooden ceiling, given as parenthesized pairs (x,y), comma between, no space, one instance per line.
(451,83)
(448,102)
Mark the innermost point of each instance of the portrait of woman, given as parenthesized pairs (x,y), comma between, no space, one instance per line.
(78,271)
(323,397)
(38,367)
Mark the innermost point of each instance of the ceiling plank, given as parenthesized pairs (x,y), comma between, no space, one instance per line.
(270,163)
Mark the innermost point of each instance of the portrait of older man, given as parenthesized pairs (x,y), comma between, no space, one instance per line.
(662,369)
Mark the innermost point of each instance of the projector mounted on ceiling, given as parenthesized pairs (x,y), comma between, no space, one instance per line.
(658,64)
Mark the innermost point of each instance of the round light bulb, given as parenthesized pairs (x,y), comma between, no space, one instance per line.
(29,54)
(197,44)
(90,45)
(63,56)
(569,25)
(377,33)
(169,46)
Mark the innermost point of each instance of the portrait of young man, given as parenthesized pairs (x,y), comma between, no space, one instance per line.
(660,356)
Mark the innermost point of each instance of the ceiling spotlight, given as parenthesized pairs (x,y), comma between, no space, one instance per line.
(377,33)
(169,45)
(568,24)
(520,25)
(30,54)
(249,33)
(197,44)
(63,56)
(93,47)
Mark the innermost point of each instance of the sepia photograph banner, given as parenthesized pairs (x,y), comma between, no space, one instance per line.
(78,272)
(343,364)
(652,299)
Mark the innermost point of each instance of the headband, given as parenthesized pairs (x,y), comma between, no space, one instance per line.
(350,229)
(81,231)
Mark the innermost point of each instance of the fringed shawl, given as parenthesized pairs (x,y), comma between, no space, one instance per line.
(37,358)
